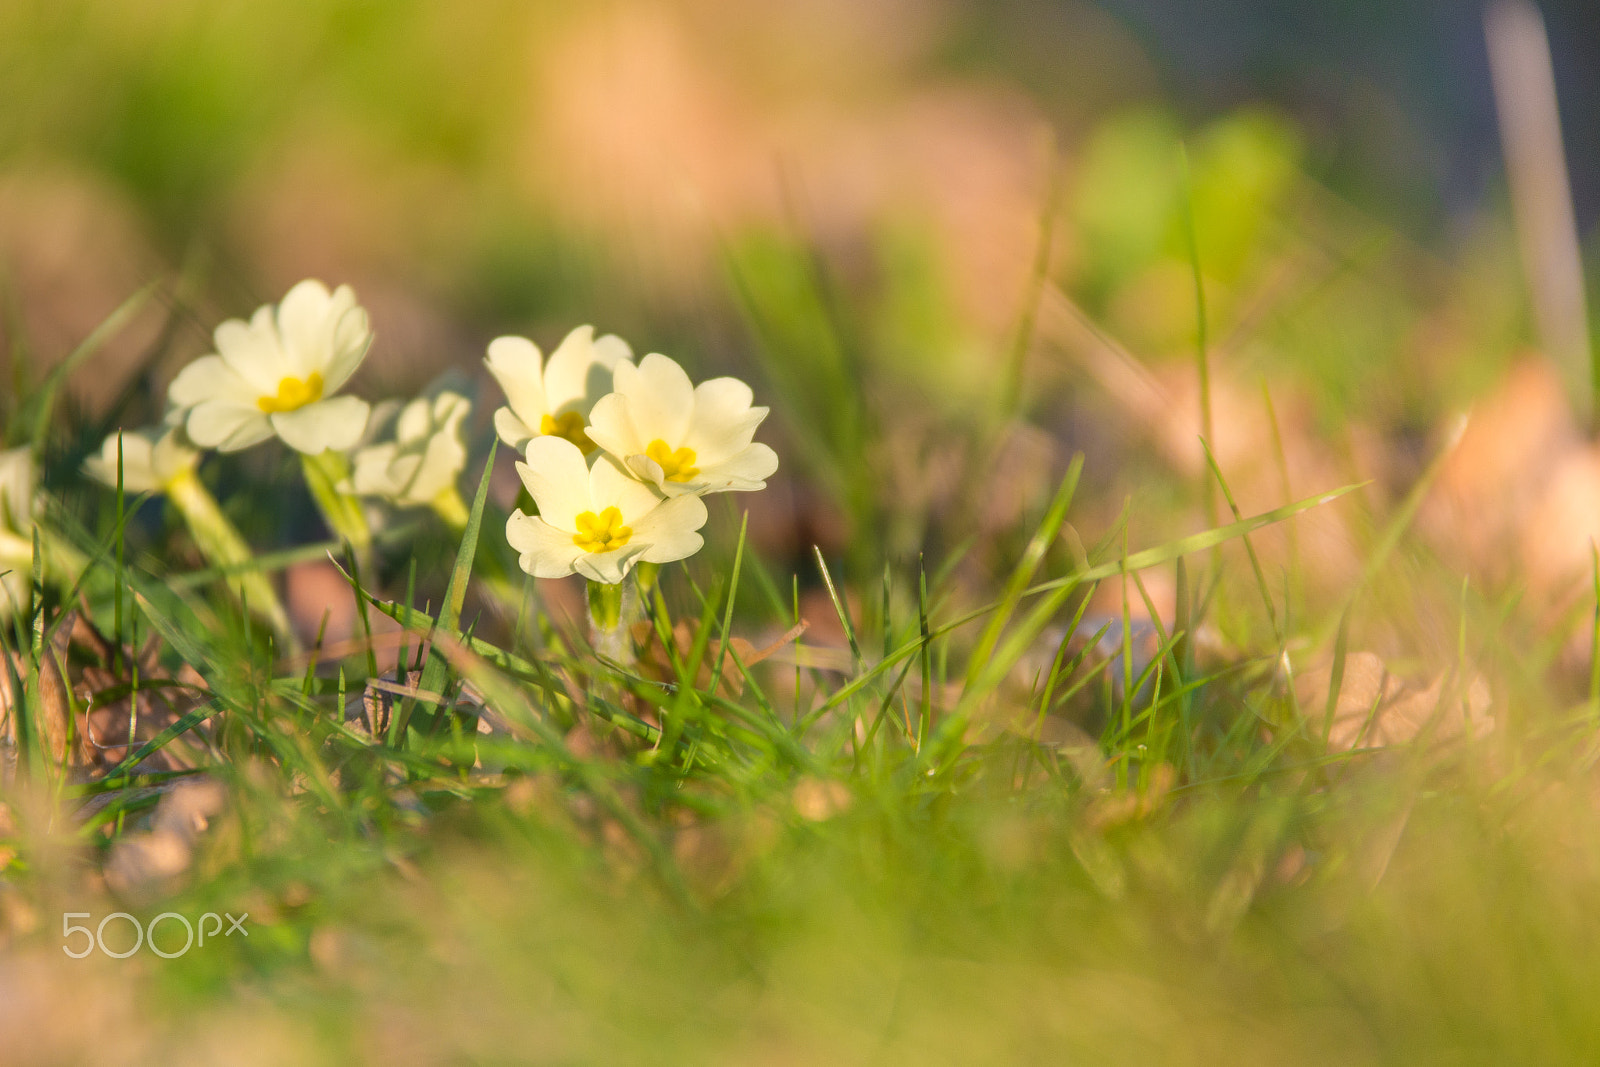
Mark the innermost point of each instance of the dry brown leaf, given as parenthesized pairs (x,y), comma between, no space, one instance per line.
(745,653)
(52,705)
(98,738)
(1375,709)
(105,720)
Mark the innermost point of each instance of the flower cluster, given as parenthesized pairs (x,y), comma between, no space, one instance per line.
(419,467)
(616,454)
(280,375)
(618,477)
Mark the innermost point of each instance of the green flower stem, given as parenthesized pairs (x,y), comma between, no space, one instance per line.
(324,474)
(605,606)
(646,574)
(611,608)
(219,542)
(449,506)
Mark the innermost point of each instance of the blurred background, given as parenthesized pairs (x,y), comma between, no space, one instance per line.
(947,239)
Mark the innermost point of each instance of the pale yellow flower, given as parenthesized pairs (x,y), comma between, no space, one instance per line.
(17,483)
(278,373)
(554,397)
(597,522)
(679,437)
(152,459)
(423,460)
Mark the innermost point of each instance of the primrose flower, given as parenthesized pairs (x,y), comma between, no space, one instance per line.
(596,522)
(16,528)
(16,490)
(160,460)
(425,458)
(152,460)
(553,398)
(682,438)
(277,374)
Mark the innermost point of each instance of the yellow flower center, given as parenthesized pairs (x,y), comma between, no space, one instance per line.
(293,394)
(677,466)
(602,532)
(568,424)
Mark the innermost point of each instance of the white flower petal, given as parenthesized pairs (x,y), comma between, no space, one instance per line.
(306,317)
(16,491)
(611,428)
(210,378)
(450,409)
(518,366)
(415,420)
(404,471)
(745,472)
(581,370)
(670,530)
(171,454)
(138,470)
(544,551)
(608,567)
(558,480)
(565,374)
(443,455)
(512,430)
(381,418)
(350,337)
(723,422)
(369,475)
(648,470)
(227,426)
(254,352)
(334,424)
(660,399)
(611,486)
(425,457)
(611,350)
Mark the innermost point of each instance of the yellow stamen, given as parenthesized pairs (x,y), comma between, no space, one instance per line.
(602,532)
(676,466)
(293,394)
(568,424)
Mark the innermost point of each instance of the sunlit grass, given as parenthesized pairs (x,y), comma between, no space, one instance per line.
(908,853)
(1024,727)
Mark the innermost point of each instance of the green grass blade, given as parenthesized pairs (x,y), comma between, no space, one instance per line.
(435,673)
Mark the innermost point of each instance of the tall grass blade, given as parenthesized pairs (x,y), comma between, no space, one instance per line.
(434,674)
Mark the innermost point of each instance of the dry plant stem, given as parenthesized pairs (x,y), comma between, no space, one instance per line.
(222,546)
(324,473)
(1541,191)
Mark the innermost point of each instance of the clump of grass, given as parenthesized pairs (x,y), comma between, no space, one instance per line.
(994,823)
